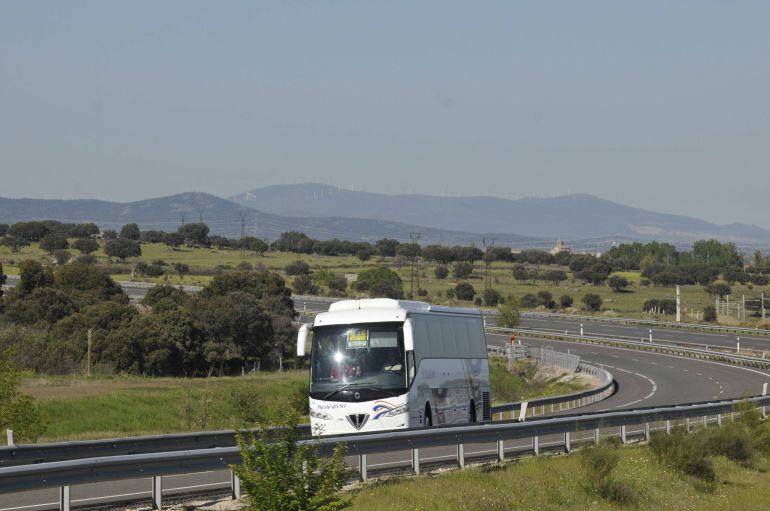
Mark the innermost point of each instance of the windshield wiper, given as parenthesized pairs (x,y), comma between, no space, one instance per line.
(353,387)
(374,389)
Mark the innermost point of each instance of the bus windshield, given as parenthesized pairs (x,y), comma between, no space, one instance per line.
(366,357)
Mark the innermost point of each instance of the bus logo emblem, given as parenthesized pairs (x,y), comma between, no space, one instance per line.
(357,420)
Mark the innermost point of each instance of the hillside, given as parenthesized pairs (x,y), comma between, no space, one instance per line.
(224,217)
(570,217)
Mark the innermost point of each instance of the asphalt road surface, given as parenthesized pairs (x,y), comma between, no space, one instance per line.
(643,379)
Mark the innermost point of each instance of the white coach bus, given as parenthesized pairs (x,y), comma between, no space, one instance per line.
(385,364)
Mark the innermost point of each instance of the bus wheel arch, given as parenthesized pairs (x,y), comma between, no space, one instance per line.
(428,418)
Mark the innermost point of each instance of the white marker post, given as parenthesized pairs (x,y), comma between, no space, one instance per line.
(764,393)
(581,329)
(650,335)
(738,346)
(9,432)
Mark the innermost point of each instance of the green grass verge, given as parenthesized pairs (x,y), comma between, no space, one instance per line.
(559,482)
(77,408)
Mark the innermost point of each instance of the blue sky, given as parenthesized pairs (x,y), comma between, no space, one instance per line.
(662,105)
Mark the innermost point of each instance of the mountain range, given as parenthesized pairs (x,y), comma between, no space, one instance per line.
(321,211)
(569,217)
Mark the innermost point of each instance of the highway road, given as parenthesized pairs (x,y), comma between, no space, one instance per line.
(643,379)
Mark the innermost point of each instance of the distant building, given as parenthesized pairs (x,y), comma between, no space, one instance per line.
(560,247)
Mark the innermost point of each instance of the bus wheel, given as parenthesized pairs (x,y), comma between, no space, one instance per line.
(472,413)
(428,420)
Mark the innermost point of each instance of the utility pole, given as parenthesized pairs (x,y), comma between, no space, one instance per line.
(763,305)
(488,244)
(678,304)
(415,267)
(182,218)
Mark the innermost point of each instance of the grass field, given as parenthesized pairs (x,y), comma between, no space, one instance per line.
(80,408)
(203,262)
(557,483)
(101,407)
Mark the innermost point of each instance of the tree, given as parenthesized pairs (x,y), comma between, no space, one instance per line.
(43,305)
(32,275)
(617,283)
(529,301)
(363,255)
(53,242)
(464,291)
(545,299)
(18,412)
(109,234)
(131,232)
(62,256)
(87,284)
(566,301)
(293,241)
(441,272)
(195,235)
(760,280)
(182,269)
(297,267)
(173,239)
(337,283)
(554,276)
(462,270)
(508,315)
(380,281)
(278,474)
(592,301)
(31,231)
(304,285)
(159,293)
(85,245)
(252,244)
(153,236)
(520,273)
(718,289)
(491,297)
(122,248)
(14,243)
(4,231)
(386,247)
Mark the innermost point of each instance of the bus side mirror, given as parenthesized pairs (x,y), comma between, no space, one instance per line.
(408,335)
(302,339)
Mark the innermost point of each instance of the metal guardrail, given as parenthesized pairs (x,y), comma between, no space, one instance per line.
(646,322)
(27,454)
(718,356)
(158,464)
(30,454)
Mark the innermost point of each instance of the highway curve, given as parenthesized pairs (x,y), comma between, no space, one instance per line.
(644,379)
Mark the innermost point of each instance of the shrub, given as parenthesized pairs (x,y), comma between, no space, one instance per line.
(245,266)
(508,315)
(592,302)
(617,283)
(464,291)
(545,299)
(709,314)
(491,297)
(441,272)
(566,301)
(599,463)
(298,267)
(304,285)
(380,282)
(462,270)
(278,474)
(684,453)
(17,411)
(529,301)
(61,256)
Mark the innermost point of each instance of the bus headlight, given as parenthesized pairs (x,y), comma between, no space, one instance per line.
(320,415)
(396,411)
